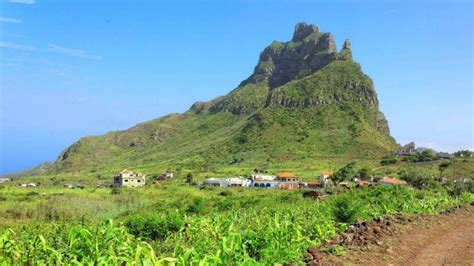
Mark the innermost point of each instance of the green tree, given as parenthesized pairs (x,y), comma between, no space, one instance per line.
(345,172)
(443,166)
(364,172)
(427,155)
(389,159)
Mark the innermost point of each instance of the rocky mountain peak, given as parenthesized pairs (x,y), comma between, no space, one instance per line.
(308,51)
(302,30)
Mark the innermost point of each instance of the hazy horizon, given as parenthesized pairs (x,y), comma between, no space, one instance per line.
(69,70)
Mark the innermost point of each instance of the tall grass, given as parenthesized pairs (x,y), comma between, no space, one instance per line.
(276,229)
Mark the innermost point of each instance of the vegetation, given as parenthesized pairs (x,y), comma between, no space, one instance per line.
(184,225)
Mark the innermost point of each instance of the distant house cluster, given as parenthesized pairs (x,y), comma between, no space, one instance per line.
(288,180)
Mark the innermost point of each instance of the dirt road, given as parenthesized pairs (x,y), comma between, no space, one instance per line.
(444,239)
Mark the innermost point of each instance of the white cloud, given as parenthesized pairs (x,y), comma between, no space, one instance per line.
(28,2)
(52,48)
(71,52)
(12,45)
(10,20)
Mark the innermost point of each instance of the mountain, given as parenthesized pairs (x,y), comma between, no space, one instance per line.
(305,101)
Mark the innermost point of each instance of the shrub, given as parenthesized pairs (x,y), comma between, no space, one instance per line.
(156,227)
(347,209)
(196,206)
(418,179)
(115,191)
(389,159)
(225,193)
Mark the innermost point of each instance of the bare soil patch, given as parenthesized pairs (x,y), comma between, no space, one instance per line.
(442,239)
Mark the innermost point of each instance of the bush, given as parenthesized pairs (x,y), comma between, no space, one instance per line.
(156,227)
(347,209)
(387,160)
(115,191)
(418,179)
(196,206)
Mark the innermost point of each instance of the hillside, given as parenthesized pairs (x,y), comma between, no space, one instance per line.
(304,102)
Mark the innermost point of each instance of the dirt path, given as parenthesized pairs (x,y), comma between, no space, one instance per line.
(445,239)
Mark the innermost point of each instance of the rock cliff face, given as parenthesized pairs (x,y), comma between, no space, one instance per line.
(308,51)
(305,100)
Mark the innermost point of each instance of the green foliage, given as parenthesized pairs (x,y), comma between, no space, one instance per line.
(196,206)
(416,178)
(345,173)
(443,166)
(347,209)
(364,172)
(154,226)
(246,227)
(389,159)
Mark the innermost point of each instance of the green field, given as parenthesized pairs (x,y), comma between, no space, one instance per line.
(184,224)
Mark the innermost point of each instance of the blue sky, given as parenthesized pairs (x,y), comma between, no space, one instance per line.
(75,68)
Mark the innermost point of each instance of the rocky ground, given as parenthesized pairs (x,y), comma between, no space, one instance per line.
(443,239)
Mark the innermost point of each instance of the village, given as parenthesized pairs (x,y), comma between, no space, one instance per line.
(281,180)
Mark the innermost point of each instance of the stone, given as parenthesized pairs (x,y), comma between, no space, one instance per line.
(347,45)
(302,30)
(308,257)
(313,250)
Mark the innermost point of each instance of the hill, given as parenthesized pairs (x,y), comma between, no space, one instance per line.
(305,102)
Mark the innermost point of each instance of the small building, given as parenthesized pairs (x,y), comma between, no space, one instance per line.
(227,182)
(324,178)
(390,181)
(407,149)
(314,184)
(4,179)
(287,177)
(127,178)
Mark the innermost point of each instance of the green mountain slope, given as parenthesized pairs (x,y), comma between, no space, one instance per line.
(305,101)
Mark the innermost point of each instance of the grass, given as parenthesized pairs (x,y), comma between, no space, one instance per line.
(187,225)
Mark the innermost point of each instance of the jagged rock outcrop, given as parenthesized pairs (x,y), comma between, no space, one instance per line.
(308,51)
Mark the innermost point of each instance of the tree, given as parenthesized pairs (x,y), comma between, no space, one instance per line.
(427,155)
(189,178)
(389,159)
(443,166)
(345,172)
(364,172)
(417,178)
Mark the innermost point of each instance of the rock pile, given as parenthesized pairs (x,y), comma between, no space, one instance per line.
(359,234)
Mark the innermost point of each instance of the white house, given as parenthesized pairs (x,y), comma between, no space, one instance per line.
(227,182)
(4,179)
